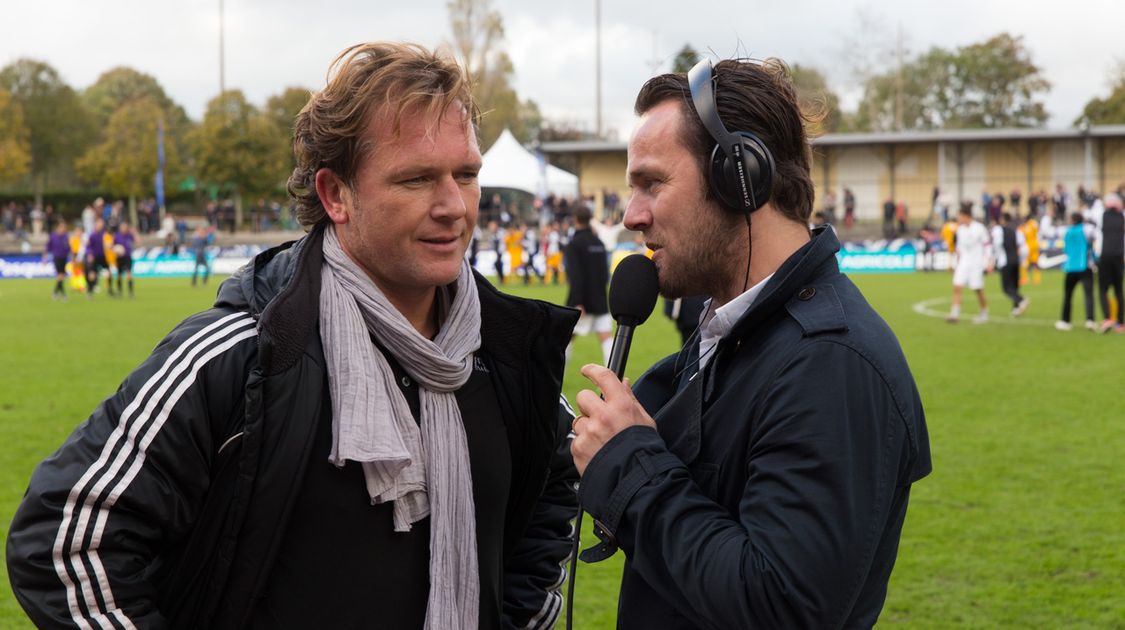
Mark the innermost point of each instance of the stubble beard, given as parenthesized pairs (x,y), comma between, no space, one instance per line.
(703,264)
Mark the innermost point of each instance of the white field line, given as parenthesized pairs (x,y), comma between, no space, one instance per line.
(927,308)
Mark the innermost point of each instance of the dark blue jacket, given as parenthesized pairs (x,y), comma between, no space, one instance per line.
(774,492)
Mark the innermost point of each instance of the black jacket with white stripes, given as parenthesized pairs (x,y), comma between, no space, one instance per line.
(165,508)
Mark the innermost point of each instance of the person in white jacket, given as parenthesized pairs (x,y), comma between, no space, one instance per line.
(973,256)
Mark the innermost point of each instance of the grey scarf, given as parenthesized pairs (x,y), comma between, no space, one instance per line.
(424,471)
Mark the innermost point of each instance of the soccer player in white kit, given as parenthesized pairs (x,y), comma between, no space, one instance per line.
(973,256)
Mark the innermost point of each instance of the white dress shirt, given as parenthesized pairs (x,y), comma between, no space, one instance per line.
(717,324)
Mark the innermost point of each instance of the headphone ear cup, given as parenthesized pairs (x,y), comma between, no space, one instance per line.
(759,168)
(725,180)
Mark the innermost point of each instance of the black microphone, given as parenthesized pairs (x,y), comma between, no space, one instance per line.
(632,296)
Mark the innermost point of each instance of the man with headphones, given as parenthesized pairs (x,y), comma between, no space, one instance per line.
(760,476)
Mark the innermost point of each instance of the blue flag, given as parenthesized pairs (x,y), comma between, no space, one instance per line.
(160,166)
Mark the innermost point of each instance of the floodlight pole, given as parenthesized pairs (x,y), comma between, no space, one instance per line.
(598,62)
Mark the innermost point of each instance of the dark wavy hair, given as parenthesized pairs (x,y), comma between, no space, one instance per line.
(753,96)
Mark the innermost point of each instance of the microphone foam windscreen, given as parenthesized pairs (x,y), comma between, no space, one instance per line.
(633,290)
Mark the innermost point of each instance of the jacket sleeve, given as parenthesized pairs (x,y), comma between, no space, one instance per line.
(825,467)
(126,484)
(535,575)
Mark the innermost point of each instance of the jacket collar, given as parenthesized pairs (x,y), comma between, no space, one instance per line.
(289,319)
(808,264)
(796,286)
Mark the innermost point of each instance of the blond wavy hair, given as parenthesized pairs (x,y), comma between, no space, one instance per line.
(330,131)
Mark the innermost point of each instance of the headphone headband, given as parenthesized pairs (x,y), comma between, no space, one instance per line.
(741,152)
(703,95)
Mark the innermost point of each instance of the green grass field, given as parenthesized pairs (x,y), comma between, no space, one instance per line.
(1021,525)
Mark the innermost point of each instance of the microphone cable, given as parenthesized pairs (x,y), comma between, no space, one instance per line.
(710,304)
(573,564)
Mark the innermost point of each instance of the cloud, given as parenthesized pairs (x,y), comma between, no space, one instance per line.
(271,44)
(555,66)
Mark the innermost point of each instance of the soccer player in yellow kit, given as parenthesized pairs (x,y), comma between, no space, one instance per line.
(1030,270)
(948,234)
(513,242)
(77,264)
(110,253)
(552,239)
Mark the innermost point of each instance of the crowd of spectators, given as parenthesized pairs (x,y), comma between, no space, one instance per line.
(22,220)
(534,239)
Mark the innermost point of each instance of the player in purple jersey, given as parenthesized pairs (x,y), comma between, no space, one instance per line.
(123,242)
(58,250)
(95,259)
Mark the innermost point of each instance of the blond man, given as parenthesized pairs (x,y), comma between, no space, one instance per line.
(359,433)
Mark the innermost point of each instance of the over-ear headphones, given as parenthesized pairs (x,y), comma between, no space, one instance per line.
(740,171)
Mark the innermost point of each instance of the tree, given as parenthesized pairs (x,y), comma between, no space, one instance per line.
(1111,109)
(239,149)
(915,98)
(125,161)
(478,31)
(996,85)
(1107,111)
(121,87)
(816,99)
(282,109)
(501,107)
(990,84)
(685,59)
(58,124)
(15,149)
(869,49)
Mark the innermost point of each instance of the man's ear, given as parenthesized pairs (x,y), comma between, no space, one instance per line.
(332,193)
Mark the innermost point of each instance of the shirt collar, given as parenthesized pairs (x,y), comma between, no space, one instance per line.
(717,324)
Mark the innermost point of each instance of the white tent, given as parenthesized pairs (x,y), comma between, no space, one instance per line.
(508,165)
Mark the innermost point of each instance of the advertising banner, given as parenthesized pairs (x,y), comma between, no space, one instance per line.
(892,257)
(152,263)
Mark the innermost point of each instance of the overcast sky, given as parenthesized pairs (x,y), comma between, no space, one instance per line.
(271,44)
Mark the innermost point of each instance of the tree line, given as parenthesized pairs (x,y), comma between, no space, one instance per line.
(990,84)
(105,136)
(53,136)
